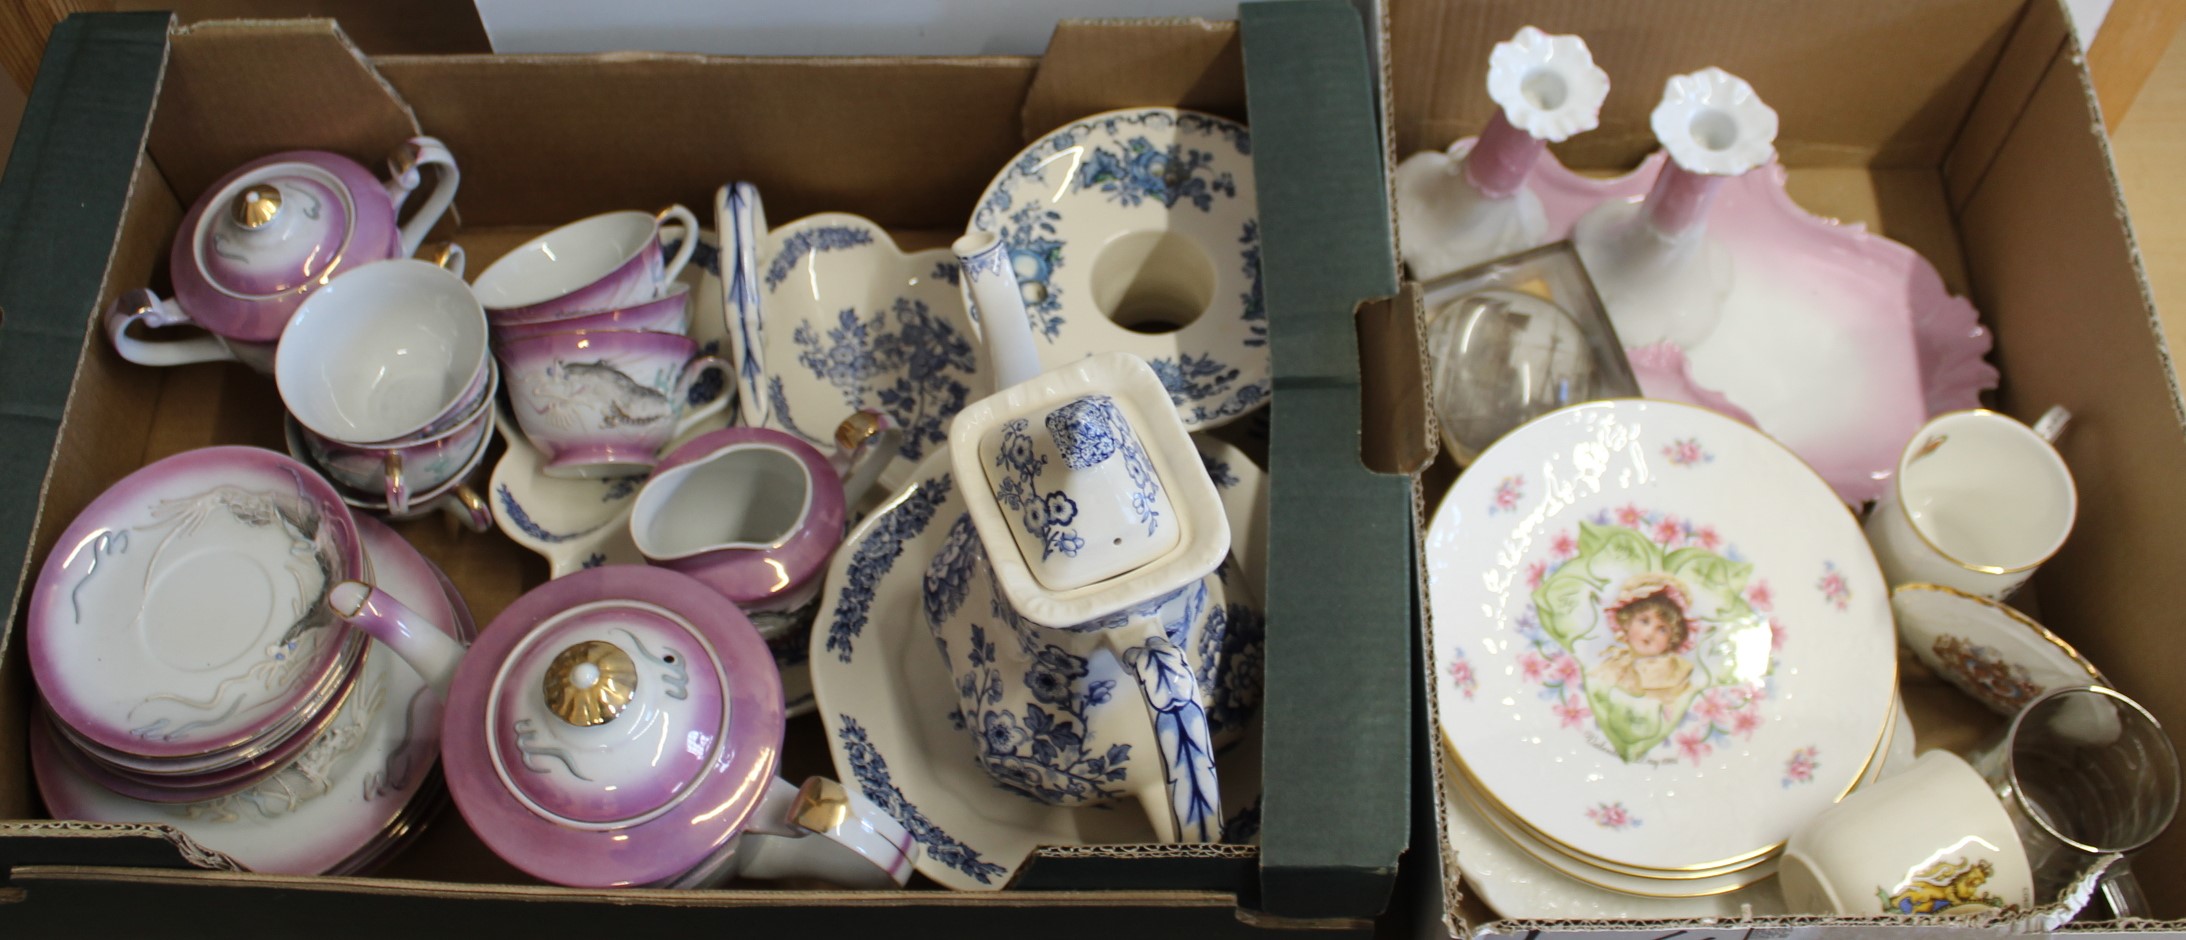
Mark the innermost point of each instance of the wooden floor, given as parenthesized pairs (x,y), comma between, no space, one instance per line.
(2150,147)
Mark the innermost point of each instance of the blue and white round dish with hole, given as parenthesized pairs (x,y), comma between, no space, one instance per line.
(831,317)
(1138,231)
(892,711)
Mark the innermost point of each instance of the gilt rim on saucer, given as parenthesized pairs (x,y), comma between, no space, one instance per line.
(74,696)
(1589,467)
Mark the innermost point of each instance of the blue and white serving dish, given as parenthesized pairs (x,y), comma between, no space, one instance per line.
(830,317)
(893,715)
(1138,231)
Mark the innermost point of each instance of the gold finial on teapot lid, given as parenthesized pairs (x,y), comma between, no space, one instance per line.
(256,206)
(589,684)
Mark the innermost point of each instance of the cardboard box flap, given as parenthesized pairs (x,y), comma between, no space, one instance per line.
(1923,64)
(237,90)
(542,143)
(1337,817)
(2043,33)
(1101,65)
(2057,274)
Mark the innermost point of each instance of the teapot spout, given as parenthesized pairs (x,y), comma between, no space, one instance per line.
(422,644)
(998,307)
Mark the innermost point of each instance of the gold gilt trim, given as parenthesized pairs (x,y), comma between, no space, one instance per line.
(590,683)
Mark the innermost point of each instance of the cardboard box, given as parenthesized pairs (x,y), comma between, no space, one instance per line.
(132,118)
(1966,129)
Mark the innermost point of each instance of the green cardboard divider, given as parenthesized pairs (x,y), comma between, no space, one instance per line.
(60,205)
(1340,576)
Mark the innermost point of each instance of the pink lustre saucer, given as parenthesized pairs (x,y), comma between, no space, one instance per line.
(1659,640)
(1838,342)
(182,613)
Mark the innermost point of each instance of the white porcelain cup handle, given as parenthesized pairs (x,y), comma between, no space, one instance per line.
(149,309)
(822,830)
(450,257)
(467,508)
(405,167)
(678,215)
(865,444)
(2051,425)
(1187,805)
(692,371)
(398,491)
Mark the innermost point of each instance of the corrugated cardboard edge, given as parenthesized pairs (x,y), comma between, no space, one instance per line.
(1088,70)
(196,853)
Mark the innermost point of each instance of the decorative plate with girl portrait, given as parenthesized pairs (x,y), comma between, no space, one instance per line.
(1660,640)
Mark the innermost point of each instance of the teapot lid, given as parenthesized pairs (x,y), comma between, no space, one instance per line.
(613,727)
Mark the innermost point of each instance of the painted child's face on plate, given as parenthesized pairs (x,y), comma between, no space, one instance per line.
(1648,631)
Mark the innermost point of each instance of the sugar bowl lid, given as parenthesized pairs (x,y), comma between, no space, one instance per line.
(264,236)
(615,727)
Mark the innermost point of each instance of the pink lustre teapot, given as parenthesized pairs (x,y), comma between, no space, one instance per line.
(265,236)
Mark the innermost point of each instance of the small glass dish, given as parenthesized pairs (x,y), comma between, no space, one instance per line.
(1514,339)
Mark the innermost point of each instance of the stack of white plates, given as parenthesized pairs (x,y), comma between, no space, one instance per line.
(1661,645)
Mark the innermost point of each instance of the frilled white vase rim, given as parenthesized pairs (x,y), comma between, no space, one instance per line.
(1547,85)
(1712,122)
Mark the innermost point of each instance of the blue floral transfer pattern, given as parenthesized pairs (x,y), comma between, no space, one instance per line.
(1194,168)
(812,241)
(1144,172)
(905,360)
(1255,313)
(521,519)
(875,556)
(871,771)
(1045,516)
(1035,254)
(1046,753)
(1233,656)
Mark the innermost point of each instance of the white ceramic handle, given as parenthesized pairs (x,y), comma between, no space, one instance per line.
(422,644)
(742,222)
(692,372)
(822,830)
(143,306)
(2051,425)
(466,507)
(998,307)
(680,216)
(861,464)
(407,164)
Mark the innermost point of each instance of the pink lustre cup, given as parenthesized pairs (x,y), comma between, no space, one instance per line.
(604,402)
(668,313)
(411,471)
(598,263)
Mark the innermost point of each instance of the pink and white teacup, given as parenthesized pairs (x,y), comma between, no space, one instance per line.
(411,471)
(389,352)
(668,313)
(598,263)
(604,402)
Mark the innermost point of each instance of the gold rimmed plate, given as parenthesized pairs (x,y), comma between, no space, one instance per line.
(1646,619)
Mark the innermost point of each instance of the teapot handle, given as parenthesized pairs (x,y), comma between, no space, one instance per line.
(822,830)
(143,306)
(404,167)
(421,643)
(1189,807)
